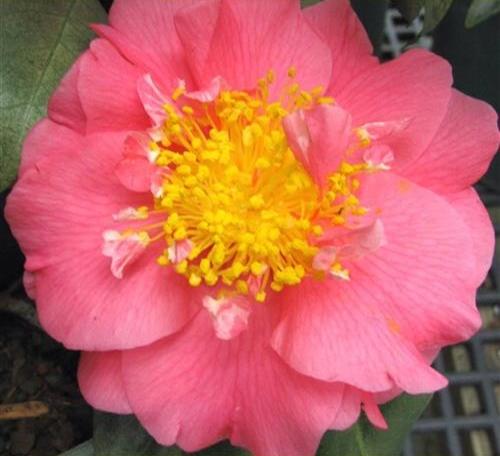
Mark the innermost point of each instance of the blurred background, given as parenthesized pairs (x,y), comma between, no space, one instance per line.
(462,420)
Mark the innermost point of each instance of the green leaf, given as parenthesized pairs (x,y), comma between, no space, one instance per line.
(364,440)
(410,9)
(305,3)
(39,41)
(85,449)
(435,10)
(480,10)
(124,436)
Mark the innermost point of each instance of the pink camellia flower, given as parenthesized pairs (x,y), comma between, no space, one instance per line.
(252,228)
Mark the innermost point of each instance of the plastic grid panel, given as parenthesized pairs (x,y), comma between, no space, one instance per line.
(464,419)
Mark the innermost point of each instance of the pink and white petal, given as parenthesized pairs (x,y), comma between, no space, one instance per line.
(108,91)
(79,301)
(236,389)
(350,46)
(371,329)
(48,138)
(100,381)
(146,35)
(319,138)
(414,88)
(251,38)
(462,149)
(65,107)
(153,99)
(476,217)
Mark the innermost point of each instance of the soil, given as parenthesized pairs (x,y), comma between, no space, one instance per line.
(33,367)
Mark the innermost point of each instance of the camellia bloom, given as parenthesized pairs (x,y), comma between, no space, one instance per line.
(251,227)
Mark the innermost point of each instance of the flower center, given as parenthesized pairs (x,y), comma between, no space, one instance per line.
(239,210)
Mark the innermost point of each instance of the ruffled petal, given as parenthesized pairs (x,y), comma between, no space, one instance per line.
(369,332)
(251,38)
(60,232)
(145,34)
(414,89)
(108,91)
(65,106)
(100,381)
(319,138)
(473,213)
(48,139)
(195,389)
(350,46)
(461,151)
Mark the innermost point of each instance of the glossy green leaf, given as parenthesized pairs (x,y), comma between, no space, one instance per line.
(39,41)
(364,440)
(480,10)
(123,435)
(435,11)
(85,449)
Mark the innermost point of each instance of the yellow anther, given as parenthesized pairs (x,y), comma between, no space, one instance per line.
(257,201)
(162,260)
(181,268)
(326,100)
(260,296)
(234,194)
(257,268)
(178,92)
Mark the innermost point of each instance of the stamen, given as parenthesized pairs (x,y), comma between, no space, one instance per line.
(231,202)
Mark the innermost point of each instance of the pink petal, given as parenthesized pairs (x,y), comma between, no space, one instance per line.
(153,99)
(65,106)
(461,151)
(195,26)
(251,38)
(208,94)
(349,410)
(414,88)
(29,283)
(123,250)
(319,138)
(349,244)
(229,315)
(349,341)
(195,389)
(60,231)
(379,157)
(368,332)
(107,86)
(351,50)
(100,381)
(473,213)
(47,138)
(179,251)
(135,174)
(144,32)
(372,411)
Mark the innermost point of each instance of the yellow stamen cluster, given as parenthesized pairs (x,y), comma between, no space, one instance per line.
(234,191)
